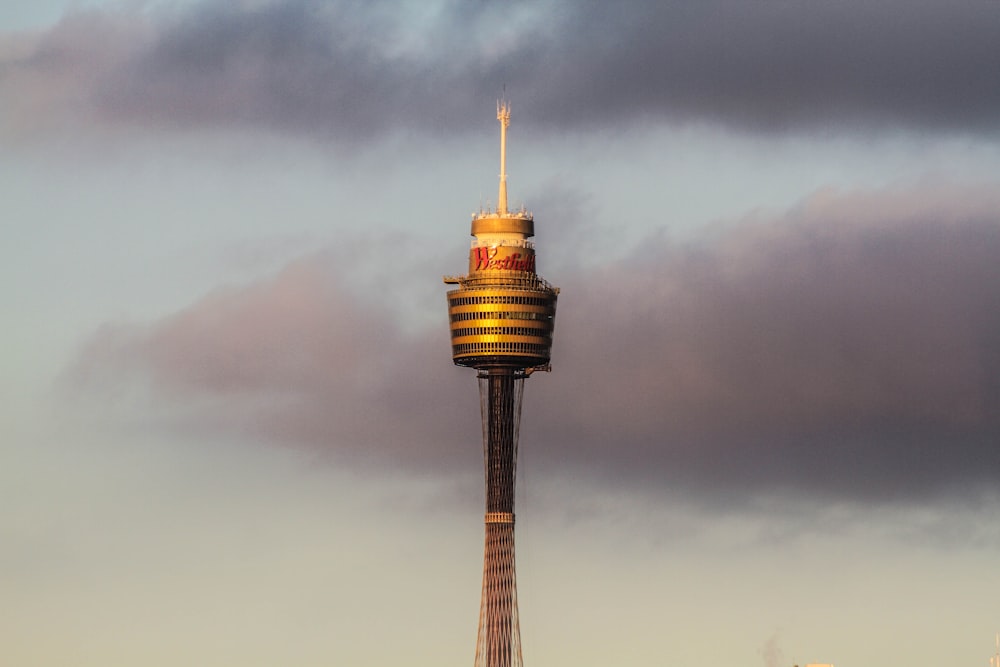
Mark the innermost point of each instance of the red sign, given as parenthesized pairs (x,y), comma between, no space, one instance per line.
(486,259)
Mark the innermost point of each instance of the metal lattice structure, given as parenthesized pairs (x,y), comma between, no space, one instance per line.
(502,317)
(499,640)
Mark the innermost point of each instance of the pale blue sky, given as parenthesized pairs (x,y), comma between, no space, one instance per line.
(232,433)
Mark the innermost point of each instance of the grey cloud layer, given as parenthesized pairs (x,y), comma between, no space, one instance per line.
(847,349)
(353,70)
(850,348)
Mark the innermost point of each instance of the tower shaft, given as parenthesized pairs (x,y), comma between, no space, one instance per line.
(498,641)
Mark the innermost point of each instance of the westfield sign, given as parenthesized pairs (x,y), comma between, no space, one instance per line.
(486,259)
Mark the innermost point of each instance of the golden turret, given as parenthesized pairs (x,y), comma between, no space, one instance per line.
(503,313)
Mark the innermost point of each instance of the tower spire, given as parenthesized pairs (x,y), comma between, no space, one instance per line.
(503,115)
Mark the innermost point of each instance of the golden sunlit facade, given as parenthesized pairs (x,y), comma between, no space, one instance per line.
(501,320)
(503,312)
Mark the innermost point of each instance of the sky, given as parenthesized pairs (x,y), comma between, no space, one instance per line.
(231,430)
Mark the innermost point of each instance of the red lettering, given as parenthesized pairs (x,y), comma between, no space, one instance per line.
(486,258)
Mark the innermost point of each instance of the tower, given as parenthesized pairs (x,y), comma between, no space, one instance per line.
(502,315)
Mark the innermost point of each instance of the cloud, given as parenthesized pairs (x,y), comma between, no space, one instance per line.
(52,78)
(299,359)
(773,66)
(352,71)
(846,349)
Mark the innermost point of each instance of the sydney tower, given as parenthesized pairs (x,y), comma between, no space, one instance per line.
(502,315)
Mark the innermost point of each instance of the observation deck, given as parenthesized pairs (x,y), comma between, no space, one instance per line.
(502,322)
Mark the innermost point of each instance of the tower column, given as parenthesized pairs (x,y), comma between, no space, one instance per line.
(499,639)
(500,443)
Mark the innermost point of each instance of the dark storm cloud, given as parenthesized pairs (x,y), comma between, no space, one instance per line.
(775,66)
(848,349)
(355,70)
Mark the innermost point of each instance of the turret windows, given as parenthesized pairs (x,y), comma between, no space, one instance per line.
(501,298)
(526,349)
(500,331)
(501,315)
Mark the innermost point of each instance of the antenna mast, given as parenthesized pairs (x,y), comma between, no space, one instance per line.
(503,115)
